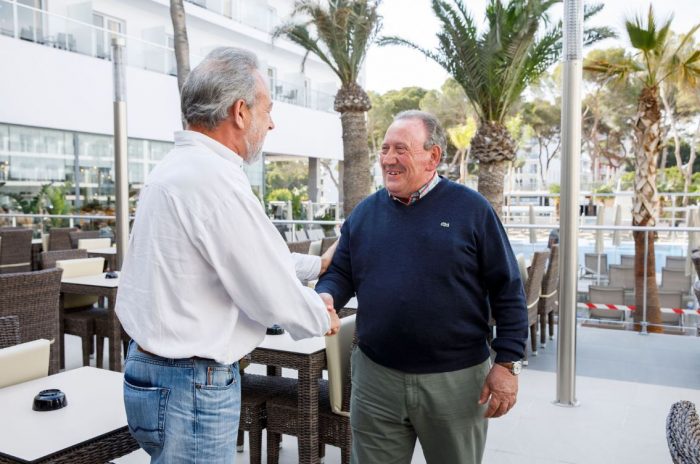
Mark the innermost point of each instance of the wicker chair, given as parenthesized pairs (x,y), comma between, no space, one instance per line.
(548,296)
(59,238)
(333,405)
(82,234)
(299,247)
(9,331)
(674,279)
(256,390)
(327,242)
(79,315)
(607,295)
(626,260)
(676,262)
(34,298)
(533,287)
(683,433)
(15,251)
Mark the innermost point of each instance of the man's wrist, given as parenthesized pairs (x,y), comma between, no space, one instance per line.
(514,367)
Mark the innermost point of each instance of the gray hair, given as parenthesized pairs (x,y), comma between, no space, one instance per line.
(225,76)
(436,134)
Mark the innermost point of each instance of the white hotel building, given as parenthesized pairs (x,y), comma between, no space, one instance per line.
(56,90)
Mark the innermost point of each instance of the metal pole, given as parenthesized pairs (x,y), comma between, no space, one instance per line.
(120,144)
(571,154)
(644,294)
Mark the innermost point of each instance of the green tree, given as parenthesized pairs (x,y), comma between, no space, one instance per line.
(461,136)
(655,62)
(544,118)
(494,68)
(449,104)
(342,30)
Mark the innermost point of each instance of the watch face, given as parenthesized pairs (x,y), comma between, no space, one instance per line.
(517,367)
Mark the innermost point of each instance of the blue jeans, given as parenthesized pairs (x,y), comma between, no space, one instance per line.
(182,410)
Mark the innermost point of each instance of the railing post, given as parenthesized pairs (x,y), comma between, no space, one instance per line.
(644,294)
(15,20)
(120,146)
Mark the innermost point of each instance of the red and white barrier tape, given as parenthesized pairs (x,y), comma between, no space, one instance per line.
(632,308)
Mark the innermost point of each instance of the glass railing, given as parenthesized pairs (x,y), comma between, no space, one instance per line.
(63,33)
(253,13)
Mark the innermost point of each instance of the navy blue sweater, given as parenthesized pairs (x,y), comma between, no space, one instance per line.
(425,276)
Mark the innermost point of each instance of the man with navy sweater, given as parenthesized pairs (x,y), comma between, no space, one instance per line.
(429,261)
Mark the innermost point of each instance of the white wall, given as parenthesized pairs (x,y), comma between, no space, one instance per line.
(46,87)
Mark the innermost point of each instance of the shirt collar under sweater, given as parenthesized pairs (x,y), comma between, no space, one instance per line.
(420,193)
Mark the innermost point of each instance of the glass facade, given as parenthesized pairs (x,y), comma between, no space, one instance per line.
(31,157)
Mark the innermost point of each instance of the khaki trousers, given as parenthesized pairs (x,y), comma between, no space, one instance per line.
(390,409)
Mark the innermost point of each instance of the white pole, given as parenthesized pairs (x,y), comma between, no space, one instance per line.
(571,154)
(120,144)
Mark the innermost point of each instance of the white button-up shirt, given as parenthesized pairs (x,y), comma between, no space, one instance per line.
(206,271)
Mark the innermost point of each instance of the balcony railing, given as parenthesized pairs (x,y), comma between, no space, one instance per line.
(64,33)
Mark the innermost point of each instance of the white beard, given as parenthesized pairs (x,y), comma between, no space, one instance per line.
(254,151)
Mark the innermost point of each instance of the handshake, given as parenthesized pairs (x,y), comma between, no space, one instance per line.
(335,320)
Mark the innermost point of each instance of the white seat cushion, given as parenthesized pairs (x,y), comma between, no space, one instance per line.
(94,243)
(81,267)
(23,362)
(338,358)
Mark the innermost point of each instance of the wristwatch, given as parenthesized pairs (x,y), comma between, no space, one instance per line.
(514,367)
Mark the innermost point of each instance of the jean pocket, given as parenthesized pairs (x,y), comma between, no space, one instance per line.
(145,413)
(219,378)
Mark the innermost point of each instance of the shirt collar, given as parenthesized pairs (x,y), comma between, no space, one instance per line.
(420,193)
(188,137)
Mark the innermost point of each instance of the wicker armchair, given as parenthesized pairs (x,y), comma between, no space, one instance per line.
(327,242)
(15,250)
(683,433)
(256,390)
(9,331)
(548,296)
(333,405)
(299,247)
(59,238)
(82,234)
(533,287)
(34,298)
(78,314)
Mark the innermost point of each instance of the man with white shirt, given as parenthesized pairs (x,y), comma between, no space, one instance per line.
(206,271)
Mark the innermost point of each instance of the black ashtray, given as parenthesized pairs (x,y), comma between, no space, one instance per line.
(275,330)
(49,400)
(111,275)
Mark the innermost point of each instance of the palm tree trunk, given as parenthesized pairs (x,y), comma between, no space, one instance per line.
(356,169)
(647,131)
(352,102)
(182,47)
(493,146)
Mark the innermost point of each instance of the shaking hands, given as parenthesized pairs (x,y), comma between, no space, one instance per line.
(335,320)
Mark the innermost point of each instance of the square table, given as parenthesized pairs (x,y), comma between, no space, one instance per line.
(91,428)
(101,286)
(308,357)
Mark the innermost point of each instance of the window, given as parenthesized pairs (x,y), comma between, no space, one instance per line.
(107,27)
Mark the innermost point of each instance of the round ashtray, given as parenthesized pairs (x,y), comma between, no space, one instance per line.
(49,400)
(275,330)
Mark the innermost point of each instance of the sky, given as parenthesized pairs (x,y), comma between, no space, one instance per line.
(395,67)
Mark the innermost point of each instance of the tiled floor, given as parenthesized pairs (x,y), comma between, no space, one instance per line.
(626,384)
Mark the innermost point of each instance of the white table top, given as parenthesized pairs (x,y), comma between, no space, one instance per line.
(98,280)
(104,251)
(285,342)
(95,407)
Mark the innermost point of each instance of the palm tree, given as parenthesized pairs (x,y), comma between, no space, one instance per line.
(342,31)
(655,62)
(494,68)
(182,45)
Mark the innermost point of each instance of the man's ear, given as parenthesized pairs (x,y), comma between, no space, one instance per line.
(240,114)
(435,156)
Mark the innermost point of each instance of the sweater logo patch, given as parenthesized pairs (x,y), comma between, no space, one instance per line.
(445,224)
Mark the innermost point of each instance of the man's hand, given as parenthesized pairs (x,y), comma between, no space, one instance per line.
(326,259)
(335,320)
(502,387)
